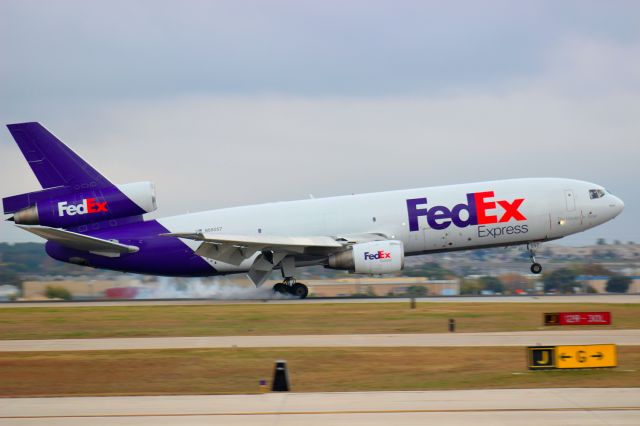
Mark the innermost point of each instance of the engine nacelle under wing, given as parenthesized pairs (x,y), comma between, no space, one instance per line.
(375,257)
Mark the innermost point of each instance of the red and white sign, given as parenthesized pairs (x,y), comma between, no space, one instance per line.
(578,318)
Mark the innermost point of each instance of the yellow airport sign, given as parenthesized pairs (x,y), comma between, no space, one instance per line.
(586,356)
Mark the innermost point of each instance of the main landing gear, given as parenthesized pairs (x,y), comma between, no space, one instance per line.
(536,268)
(290,286)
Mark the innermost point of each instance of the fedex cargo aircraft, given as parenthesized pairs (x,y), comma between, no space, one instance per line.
(88,220)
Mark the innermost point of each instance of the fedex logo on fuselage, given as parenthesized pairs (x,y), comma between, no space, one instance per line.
(380,254)
(480,209)
(88,206)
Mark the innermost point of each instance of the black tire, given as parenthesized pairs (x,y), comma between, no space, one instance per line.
(299,290)
(281,288)
(536,268)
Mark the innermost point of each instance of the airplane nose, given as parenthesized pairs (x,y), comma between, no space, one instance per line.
(619,205)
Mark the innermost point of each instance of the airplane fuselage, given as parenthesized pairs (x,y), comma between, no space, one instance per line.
(425,220)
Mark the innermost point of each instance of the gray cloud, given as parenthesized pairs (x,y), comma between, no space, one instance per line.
(254,102)
(132,49)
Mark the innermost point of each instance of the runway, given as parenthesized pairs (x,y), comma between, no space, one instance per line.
(520,338)
(595,406)
(596,298)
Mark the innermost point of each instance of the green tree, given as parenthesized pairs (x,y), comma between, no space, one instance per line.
(592,269)
(563,280)
(432,270)
(8,276)
(591,290)
(57,292)
(470,287)
(417,291)
(618,284)
(492,284)
(601,242)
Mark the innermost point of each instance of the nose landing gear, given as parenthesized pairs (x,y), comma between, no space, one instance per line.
(536,268)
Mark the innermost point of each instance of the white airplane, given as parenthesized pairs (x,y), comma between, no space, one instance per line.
(90,221)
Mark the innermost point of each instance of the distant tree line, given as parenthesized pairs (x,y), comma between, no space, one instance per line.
(563,280)
(23,259)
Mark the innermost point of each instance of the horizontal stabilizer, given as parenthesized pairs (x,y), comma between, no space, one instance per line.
(79,241)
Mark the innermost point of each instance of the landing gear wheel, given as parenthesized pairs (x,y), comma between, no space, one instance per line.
(299,290)
(536,268)
(281,288)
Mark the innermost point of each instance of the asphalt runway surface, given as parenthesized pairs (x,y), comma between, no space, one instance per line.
(516,338)
(596,298)
(570,406)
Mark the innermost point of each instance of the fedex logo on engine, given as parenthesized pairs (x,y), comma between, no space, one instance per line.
(380,254)
(88,206)
(481,209)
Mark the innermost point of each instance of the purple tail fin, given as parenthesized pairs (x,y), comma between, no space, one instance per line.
(74,194)
(53,163)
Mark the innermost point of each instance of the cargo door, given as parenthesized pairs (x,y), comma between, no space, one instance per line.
(570,200)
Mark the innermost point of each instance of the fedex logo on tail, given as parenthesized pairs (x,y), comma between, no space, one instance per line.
(88,206)
(380,254)
(481,209)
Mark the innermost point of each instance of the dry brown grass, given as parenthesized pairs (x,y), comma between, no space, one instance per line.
(154,372)
(256,319)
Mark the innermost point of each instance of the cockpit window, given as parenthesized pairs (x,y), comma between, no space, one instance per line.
(596,193)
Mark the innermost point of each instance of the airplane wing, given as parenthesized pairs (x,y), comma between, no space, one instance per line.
(361,238)
(80,242)
(272,249)
(234,249)
(260,240)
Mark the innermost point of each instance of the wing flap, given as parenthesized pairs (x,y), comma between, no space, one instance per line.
(260,240)
(225,253)
(79,241)
(235,248)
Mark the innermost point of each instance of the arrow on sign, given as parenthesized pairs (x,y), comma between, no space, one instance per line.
(598,355)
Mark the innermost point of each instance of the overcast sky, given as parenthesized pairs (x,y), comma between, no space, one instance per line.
(225,103)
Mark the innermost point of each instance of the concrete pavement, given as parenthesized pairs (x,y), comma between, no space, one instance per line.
(520,338)
(596,298)
(597,406)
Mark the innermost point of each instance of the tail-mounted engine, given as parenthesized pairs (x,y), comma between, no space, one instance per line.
(66,208)
(376,257)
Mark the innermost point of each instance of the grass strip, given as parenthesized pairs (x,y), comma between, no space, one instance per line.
(256,319)
(158,372)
